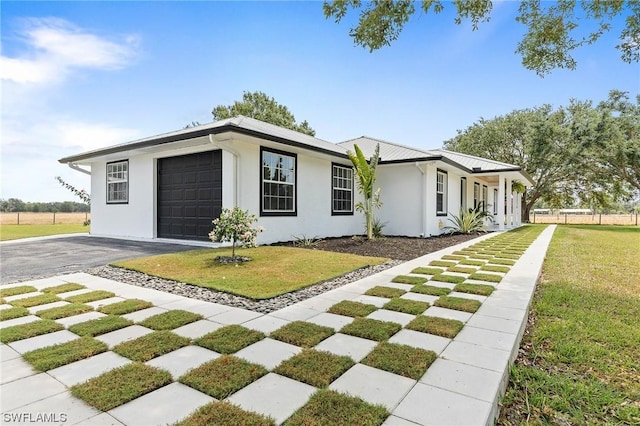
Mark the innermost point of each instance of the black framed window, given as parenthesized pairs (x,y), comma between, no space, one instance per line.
(476,195)
(341,189)
(278,183)
(495,201)
(441,193)
(118,182)
(463,193)
(485,197)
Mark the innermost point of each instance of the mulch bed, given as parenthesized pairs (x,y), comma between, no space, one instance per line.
(398,248)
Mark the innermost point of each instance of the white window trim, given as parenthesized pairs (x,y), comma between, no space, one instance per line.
(349,179)
(113,179)
(443,191)
(278,212)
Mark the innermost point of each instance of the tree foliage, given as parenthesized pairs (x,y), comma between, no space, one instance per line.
(553,29)
(235,225)
(80,193)
(578,155)
(365,172)
(17,205)
(262,107)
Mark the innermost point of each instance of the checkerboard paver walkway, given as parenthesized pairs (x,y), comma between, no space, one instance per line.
(462,386)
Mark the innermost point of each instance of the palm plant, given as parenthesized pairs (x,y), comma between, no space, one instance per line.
(472,220)
(365,172)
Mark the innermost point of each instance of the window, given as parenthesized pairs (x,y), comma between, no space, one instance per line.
(463,193)
(278,183)
(341,189)
(495,200)
(441,193)
(118,182)
(485,197)
(476,195)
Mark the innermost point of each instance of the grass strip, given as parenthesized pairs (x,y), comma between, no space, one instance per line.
(121,385)
(316,368)
(327,407)
(25,331)
(55,356)
(11,313)
(92,296)
(63,288)
(472,262)
(14,291)
(481,289)
(224,413)
(30,302)
(408,279)
(403,360)
(352,309)
(388,292)
(462,270)
(100,326)
(413,307)
(303,334)
(64,311)
(151,345)
(223,376)
(495,268)
(453,257)
(427,271)
(502,262)
(458,303)
(492,278)
(444,327)
(509,256)
(452,279)
(431,290)
(481,256)
(170,320)
(125,307)
(371,329)
(229,339)
(443,263)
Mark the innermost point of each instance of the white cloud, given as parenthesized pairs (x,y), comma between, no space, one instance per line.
(55,47)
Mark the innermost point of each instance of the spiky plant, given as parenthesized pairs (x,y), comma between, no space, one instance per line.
(365,172)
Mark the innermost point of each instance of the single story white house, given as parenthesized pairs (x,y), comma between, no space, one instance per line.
(172,186)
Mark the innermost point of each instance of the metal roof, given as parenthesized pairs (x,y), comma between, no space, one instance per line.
(389,151)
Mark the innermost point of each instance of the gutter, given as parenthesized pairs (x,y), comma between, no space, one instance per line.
(74,166)
(423,201)
(224,145)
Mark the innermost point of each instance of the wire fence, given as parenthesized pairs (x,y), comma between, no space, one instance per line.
(27,218)
(585,219)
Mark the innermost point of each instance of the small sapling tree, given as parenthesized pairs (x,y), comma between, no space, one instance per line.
(366,177)
(235,225)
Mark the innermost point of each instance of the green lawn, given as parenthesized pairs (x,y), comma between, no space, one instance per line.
(582,352)
(273,270)
(14,232)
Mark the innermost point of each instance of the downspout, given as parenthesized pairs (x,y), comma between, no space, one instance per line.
(423,194)
(236,158)
(78,168)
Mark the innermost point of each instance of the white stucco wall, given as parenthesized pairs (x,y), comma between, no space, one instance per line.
(402,196)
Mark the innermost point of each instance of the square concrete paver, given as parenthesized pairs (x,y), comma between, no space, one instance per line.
(420,297)
(334,321)
(124,334)
(420,340)
(427,405)
(197,329)
(77,319)
(405,287)
(206,309)
(38,342)
(488,338)
(38,308)
(372,300)
(317,303)
(501,312)
(104,302)
(480,356)
(462,295)
(397,421)
(143,314)
(25,391)
(22,296)
(436,311)
(5,306)
(273,395)
(64,407)
(373,385)
(265,324)
(268,353)
(74,293)
(7,353)
(85,369)
(103,419)
(235,316)
(166,405)
(19,321)
(342,344)
(496,324)
(296,313)
(392,316)
(464,379)
(182,360)
(14,369)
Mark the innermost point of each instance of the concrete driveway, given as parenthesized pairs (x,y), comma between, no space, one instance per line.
(43,257)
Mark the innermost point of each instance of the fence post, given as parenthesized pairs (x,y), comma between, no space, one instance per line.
(18,218)
(54,218)
(636,219)
(600,219)
(86,216)
(534,217)
(565,218)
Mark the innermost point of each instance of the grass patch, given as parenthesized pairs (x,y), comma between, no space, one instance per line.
(170,320)
(151,345)
(492,278)
(444,327)
(14,291)
(472,262)
(125,307)
(121,385)
(462,270)
(461,253)
(453,257)
(481,256)
(388,292)
(413,307)
(229,339)
(458,303)
(453,279)
(51,357)
(15,232)
(11,313)
(92,296)
(223,376)
(371,329)
(443,263)
(63,288)
(273,271)
(403,360)
(224,413)
(581,353)
(431,290)
(352,309)
(317,368)
(327,407)
(495,268)
(41,299)
(32,329)
(303,334)
(502,262)
(407,279)
(64,311)
(100,326)
(427,271)
(508,256)
(481,289)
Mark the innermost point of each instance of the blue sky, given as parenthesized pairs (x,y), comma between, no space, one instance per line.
(84,75)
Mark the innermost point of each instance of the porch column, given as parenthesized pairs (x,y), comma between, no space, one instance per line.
(500,202)
(509,204)
(516,210)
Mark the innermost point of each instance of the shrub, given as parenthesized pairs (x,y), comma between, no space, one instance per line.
(235,225)
(472,220)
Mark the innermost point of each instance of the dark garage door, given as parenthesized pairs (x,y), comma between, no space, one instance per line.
(189,195)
